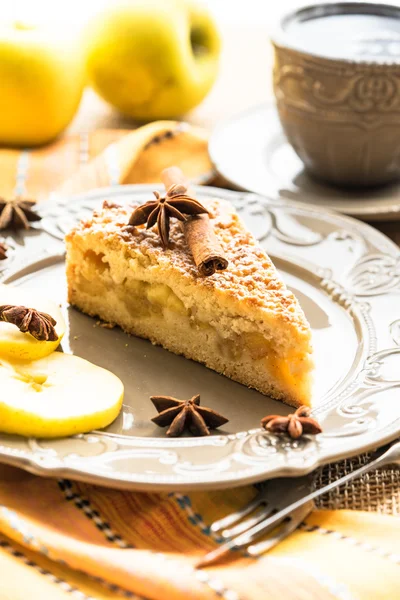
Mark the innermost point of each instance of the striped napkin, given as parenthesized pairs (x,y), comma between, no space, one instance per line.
(64,539)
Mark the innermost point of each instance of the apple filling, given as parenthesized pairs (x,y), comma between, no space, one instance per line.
(146,300)
(95,261)
(255,347)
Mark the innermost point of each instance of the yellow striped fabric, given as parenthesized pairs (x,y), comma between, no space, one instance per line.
(63,538)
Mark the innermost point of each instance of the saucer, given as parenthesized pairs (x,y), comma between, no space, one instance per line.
(251,153)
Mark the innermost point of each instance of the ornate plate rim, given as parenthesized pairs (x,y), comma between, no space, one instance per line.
(42,461)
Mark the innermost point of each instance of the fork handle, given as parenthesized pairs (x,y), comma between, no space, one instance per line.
(386,455)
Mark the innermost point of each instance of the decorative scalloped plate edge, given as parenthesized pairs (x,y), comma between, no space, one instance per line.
(368,288)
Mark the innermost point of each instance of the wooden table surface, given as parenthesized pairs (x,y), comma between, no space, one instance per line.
(245,80)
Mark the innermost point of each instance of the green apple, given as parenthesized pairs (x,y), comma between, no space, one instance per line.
(153,59)
(42,75)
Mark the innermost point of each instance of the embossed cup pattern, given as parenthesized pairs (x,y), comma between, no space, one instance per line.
(342,118)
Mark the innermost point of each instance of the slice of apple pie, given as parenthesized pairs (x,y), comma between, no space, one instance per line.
(242,322)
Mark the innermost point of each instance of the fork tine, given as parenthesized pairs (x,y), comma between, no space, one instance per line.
(277,495)
(215,555)
(234,544)
(272,494)
(233,518)
(248,523)
(283,529)
(290,524)
(286,527)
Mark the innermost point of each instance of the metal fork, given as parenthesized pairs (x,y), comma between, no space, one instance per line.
(272,498)
(297,497)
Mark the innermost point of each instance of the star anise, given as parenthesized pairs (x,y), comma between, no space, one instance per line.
(185,414)
(294,425)
(176,203)
(3,251)
(17,213)
(28,320)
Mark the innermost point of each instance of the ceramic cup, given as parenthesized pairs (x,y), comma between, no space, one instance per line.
(337,87)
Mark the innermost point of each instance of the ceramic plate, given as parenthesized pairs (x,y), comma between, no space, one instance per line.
(251,152)
(346,277)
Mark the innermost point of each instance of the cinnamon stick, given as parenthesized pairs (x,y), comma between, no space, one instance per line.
(199,232)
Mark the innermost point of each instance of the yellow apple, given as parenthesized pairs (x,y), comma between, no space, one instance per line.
(57,396)
(153,59)
(42,76)
(14,344)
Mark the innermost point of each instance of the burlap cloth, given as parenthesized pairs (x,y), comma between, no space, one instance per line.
(377,491)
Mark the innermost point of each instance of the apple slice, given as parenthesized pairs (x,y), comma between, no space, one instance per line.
(15,345)
(57,396)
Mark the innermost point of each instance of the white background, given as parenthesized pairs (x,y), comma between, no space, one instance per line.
(75,12)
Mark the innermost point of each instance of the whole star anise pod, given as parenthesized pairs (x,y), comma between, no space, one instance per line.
(28,320)
(3,251)
(185,414)
(17,213)
(176,203)
(294,425)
